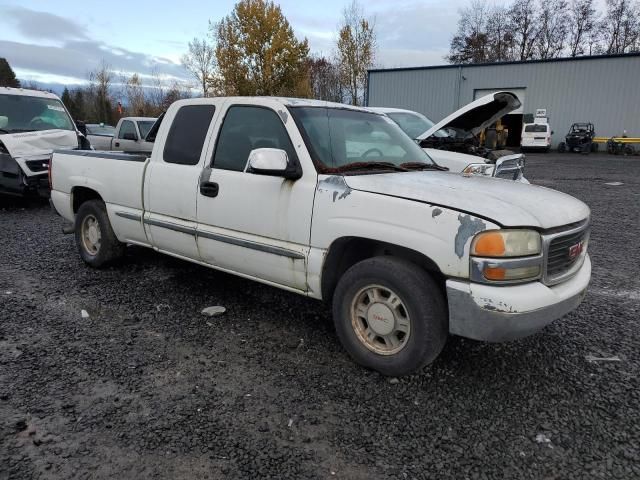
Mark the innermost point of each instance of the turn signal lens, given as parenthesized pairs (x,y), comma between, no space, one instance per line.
(521,273)
(506,243)
(494,273)
(490,244)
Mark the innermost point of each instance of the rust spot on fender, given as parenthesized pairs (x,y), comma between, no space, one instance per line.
(436,212)
(336,185)
(469,226)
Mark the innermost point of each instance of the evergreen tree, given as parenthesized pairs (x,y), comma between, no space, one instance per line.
(68,102)
(7,75)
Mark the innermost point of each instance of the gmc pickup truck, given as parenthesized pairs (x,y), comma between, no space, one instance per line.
(336,203)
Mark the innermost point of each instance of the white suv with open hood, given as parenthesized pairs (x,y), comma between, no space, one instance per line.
(32,125)
(452,142)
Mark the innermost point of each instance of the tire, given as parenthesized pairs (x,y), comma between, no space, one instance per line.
(595,147)
(562,147)
(421,306)
(96,242)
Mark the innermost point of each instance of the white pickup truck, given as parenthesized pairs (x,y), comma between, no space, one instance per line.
(131,133)
(336,203)
(32,125)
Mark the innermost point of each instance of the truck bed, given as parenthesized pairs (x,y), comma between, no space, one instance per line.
(120,187)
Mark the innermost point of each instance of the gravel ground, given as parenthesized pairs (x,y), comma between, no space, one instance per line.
(146,387)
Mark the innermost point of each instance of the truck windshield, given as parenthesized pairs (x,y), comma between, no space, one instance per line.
(22,113)
(413,124)
(144,127)
(340,138)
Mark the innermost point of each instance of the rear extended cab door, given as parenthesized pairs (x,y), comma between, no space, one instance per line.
(171,183)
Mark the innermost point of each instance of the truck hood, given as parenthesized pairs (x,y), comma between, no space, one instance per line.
(508,203)
(478,114)
(42,142)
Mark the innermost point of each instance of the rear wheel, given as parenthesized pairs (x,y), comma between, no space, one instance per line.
(390,315)
(97,244)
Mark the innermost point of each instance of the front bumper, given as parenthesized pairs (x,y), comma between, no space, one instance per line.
(496,314)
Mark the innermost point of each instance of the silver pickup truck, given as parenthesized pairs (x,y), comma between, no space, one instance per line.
(336,203)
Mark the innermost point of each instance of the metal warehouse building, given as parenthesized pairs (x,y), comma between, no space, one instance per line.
(604,90)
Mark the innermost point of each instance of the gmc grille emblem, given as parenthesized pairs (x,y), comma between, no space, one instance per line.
(575,250)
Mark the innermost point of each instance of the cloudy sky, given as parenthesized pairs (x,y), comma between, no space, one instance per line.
(58,42)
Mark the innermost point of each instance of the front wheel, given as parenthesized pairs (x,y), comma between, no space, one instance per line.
(562,147)
(390,315)
(97,244)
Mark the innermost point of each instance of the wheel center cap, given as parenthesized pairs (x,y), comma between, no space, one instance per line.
(93,234)
(380,319)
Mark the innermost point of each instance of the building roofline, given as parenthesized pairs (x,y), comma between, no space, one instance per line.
(513,62)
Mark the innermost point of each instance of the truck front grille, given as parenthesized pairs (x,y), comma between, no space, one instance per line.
(565,253)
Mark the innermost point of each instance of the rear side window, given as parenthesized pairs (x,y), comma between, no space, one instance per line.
(246,128)
(187,134)
(127,127)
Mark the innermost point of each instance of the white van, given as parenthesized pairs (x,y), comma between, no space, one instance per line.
(536,136)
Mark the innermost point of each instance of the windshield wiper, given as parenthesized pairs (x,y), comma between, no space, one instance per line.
(371,166)
(423,166)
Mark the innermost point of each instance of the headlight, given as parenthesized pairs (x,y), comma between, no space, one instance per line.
(506,256)
(479,169)
(506,243)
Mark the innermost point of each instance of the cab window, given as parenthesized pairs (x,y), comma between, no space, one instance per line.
(127,127)
(246,128)
(187,134)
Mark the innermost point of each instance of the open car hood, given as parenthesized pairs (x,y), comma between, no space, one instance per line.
(478,114)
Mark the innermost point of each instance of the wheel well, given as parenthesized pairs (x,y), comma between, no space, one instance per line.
(346,252)
(81,195)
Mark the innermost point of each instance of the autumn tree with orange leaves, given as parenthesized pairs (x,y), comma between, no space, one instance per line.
(258,53)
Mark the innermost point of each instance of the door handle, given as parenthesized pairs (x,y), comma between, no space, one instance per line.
(209,189)
(117,144)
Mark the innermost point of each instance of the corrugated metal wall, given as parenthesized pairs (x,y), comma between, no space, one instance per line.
(605,90)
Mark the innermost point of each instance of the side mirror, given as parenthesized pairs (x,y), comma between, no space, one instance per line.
(272,162)
(130,136)
(82,127)
(552,132)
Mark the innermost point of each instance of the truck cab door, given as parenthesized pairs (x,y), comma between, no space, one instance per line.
(252,224)
(172,179)
(126,139)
